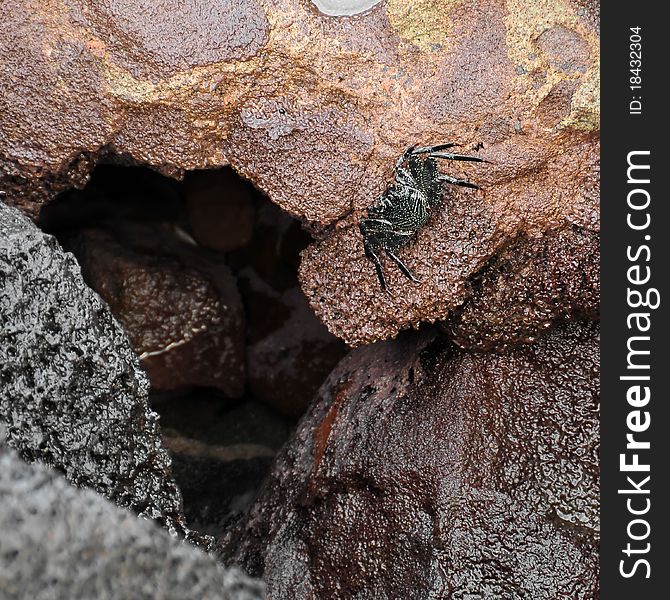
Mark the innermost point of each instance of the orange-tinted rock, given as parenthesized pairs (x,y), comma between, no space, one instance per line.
(422,471)
(314,110)
(529,286)
(169,36)
(186,329)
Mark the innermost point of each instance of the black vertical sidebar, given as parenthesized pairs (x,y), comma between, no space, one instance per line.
(635,269)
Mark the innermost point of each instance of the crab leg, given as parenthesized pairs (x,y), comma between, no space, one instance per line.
(450,156)
(370,253)
(461,182)
(429,149)
(403,267)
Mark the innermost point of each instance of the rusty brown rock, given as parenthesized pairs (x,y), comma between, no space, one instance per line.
(289,362)
(422,471)
(169,36)
(289,352)
(529,286)
(314,110)
(186,330)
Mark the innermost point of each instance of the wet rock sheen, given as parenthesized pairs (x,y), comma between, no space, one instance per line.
(423,471)
(71,391)
(315,110)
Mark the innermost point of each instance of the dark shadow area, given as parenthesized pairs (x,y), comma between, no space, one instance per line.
(202,274)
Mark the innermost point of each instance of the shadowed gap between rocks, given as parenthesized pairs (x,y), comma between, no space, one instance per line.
(202,275)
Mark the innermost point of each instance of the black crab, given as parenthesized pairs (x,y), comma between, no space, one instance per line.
(405,207)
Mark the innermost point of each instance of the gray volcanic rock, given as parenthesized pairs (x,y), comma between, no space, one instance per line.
(422,471)
(71,390)
(60,542)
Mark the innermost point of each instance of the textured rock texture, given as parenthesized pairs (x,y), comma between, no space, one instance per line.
(186,330)
(60,542)
(177,300)
(314,110)
(423,471)
(72,393)
(528,286)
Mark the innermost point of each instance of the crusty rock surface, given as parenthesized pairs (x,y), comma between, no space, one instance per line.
(60,542)
(314,110)
(422,471)
(527,287)
(71,391)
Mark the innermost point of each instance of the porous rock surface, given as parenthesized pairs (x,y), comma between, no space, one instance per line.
(61,542)
(527,287)
(72,394)
(314,110)
(422,471)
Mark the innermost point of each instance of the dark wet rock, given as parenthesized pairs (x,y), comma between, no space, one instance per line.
(220,454)
(274,254)
(314,110)
(250,422)
(218,483)
(290,360)
(529,286)
(220,209)
(205,417)
(289,352)
(113,197)
(425,471)
(71,391)
(61,542)
(177,300)
(188,330)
